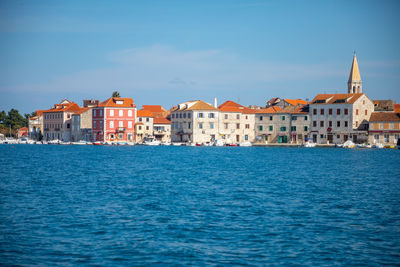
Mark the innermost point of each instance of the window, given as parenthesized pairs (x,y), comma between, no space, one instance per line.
(226,116)
(189,115)
(247,126)
(386,138)
(140,127)
(338,111)
(366,112)
(330,124)
(130,113)
(184,115)
(246,137)
(260,128)
(147,119)
(322,111)
(211,115)
(356,123)
(356,111)
(260,118)
(283,118)
(200,125)
(147,128)
(321,123)
(101,112)
(270,118)
(330,111)
(189,125)
(314,123)
(247,117)
(140,119)
(305,118)
(322,136)
(346,111)
(237,125)
(200,115)
(101,124)
(94,113)
(121,113)
(94,124)
(338,123)
(111,112)
(226,125)
(271,128)
(283,129)
(305,128)
(315,111)
(376,137)
(237,116)
(180,115)
(346,124)
(121,136)
(111,124)
(121,124)
(211,125)
(293,128)
(294,118)
(173,115)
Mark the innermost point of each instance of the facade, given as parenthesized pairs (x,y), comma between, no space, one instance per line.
(194,122)
(81,125)
(35,126)
(384,128)
(278,102)
(236,123)
(113,120)
(23,132)
(144,127)
(336,118)
(265,131)
(162,129)
(57,121)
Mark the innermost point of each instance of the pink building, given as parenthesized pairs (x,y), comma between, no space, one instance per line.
(113,120)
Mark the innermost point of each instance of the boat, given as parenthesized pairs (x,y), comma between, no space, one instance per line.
(378,145)
(10,141)
(245,144)
(54,142)
(151,142)
(97,143)
(348,144)
(309,144)
(219,143)
(398,143)
(82,142)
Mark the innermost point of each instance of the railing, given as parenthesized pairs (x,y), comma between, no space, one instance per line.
(121,129)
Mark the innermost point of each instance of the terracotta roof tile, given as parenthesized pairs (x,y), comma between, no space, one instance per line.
(336,98)
(112,102)
(397,108)
(144,113)
(229,103)
(299,109)
(295,102)
(384,116)
(161,121)
(273,109)
(82,110)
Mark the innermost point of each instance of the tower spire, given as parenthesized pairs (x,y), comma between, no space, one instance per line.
(354,84)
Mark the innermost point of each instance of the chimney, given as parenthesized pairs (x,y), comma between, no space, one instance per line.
(215,102)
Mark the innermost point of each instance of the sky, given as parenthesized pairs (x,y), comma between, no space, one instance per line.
(168,52)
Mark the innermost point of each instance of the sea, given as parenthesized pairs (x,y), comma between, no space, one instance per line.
(64,205)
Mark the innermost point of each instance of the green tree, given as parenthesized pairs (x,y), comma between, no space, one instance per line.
(15,120)
(115,94)
(3,117)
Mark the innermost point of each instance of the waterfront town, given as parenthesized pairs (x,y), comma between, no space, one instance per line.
(328,119)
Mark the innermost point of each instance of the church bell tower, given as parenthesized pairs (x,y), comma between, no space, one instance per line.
(354,85)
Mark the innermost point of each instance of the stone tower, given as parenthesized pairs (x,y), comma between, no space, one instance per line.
(354,85)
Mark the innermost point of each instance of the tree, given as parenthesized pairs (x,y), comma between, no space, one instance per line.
(3,117)
(15,120)
(115,94)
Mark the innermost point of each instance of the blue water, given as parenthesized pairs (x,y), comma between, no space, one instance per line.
(119,206)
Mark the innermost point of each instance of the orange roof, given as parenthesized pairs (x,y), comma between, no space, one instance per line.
(229,104)
(39,112)
(144,113)
(201,105)
(397,108)
(161,121)
(127,102)
(295,102)
(273,109)
(336,98)
(70,107)
(23,129)
(157,110)
(384,116)
(299,109)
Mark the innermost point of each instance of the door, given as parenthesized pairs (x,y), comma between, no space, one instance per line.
(314,138)
(330,138)
(345,137)
(354,138)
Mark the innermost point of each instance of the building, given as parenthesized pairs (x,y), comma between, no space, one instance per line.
(236,123)
(336,118)
(384,105)
(57,121)
(384,128)
(265,131)
(144,125)
(162,129)
(291,124)
(354,84)
(278,102)
(113,120)
(194,122)
(23,132)
(81,125)
(157,110)
(35,126)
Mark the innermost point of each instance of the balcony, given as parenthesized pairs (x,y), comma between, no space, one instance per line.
(121,129)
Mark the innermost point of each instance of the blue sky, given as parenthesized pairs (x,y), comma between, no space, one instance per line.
(166,52)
